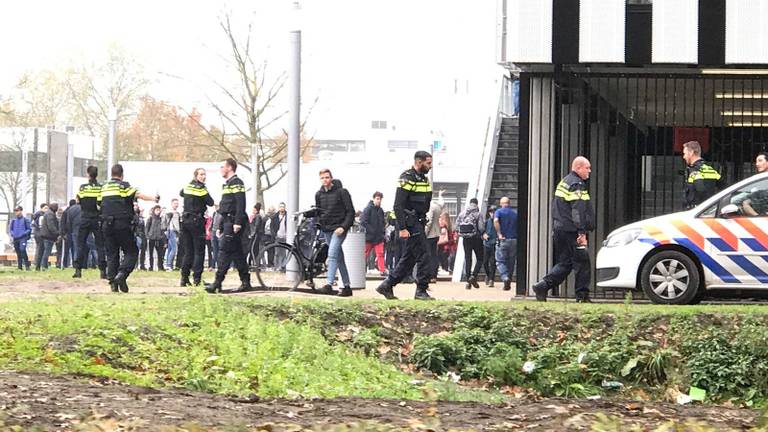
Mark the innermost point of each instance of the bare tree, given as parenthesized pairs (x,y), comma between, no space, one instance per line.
(118,82)
(246,111)
(13,187)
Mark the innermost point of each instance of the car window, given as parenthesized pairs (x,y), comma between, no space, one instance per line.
(752,199)
(710,212)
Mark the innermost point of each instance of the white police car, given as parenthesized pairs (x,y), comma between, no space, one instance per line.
(721,244)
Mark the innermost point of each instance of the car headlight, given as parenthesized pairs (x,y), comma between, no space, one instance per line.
(622,238)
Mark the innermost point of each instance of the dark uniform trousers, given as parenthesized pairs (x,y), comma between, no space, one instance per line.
(119,237)
(232,249)
(569,258)
(414,251)
(88,226)
(193,241)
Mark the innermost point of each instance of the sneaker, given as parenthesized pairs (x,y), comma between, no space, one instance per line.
(78,274)
(584,299)
(468,286)
(490,283)
(345,292)
(540,289)
(507,285)
(386,290)
(327,289)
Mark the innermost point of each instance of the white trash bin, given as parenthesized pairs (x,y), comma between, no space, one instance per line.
(354,256)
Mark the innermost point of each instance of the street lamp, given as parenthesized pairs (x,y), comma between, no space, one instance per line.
(112,118)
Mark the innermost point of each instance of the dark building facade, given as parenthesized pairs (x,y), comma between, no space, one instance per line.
(626,83)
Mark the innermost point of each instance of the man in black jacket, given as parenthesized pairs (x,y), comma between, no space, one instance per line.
(412,199)
(700,178)
(374,222)
(49,234)
(337,214)
(37,221)
(234,225)
(573,217)
(70,227)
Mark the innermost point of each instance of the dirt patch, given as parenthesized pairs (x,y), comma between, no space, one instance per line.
(62,402)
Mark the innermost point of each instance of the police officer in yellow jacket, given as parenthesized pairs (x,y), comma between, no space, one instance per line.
(573,217)
(700,178)
(234,225)
(412,199)
(89,198)
(196,202)
(117,216)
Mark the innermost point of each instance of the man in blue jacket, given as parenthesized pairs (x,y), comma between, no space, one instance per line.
(20,229)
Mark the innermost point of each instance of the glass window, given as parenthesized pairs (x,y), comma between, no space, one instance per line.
(752,199)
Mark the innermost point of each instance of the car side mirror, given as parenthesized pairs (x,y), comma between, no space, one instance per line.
(729,211)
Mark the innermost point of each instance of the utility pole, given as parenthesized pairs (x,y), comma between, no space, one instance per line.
(294,116)
(254,171)
(112,118)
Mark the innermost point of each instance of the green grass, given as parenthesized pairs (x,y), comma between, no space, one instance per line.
(199,343)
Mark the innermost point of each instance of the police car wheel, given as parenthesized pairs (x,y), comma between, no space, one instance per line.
(670,277)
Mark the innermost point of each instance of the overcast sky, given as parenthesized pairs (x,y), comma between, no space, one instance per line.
(364,59)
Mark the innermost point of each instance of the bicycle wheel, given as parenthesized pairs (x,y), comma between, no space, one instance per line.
(317,265)
(278,267)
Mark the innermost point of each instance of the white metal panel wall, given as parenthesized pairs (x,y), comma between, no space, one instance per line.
(602,31)
(746,33)
(675,31)
(529,31)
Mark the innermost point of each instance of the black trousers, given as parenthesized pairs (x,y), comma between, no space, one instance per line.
(434,258)
(231,249)
(159,247)
(472,244)
(193,246)
(568,258)
(119,237)
(489,263)
(88,226)
(414,252)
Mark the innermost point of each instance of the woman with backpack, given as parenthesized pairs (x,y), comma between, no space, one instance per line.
(470,227)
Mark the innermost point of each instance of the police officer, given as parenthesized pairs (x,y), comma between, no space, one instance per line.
(700,178)
(196,203)
(234,225)
(412,199)
(117,198)
(573,217)
(89,197)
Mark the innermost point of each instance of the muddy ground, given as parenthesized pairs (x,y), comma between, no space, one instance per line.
(64,402)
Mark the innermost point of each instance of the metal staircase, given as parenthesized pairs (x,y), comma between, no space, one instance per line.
(505,174)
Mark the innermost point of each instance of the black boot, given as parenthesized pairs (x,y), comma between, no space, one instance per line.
(214,288)
(540,289)
(184,280)
(245,286)
(345,292)
(507,285)
(385,289)
(422,294)
(120,281)
(473,281)
(103,274)
(113,286)
(327,289)
(78,274)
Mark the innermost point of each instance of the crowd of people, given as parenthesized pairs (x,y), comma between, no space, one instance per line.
(188,237)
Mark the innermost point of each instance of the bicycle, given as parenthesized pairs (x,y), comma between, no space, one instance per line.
(283,265)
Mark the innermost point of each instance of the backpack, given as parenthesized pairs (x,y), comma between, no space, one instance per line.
(36,221)
(467,226)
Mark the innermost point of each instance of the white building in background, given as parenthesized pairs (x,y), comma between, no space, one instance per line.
(42,165)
